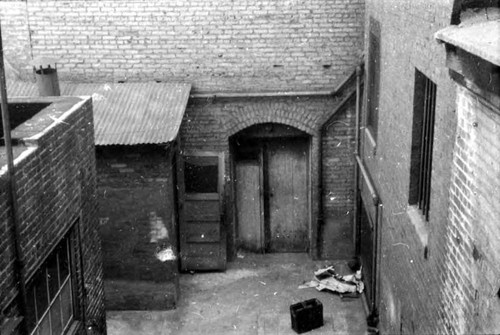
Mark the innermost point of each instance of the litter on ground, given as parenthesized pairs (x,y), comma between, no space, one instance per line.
(328,279)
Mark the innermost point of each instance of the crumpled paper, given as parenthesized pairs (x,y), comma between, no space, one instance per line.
(328,279)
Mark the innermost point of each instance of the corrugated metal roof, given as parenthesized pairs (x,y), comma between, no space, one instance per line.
(127,113)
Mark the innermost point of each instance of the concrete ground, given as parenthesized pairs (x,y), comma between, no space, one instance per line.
(252,297)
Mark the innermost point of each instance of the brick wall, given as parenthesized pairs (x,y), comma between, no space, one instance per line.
(15,38)
(208,124)
(217,45)
(471,291)
(338,145)
(136,210)
(56,186)
(439,276)
(411,262)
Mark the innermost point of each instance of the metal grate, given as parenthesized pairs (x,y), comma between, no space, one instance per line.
(424,190)
(422,142)
(373,78)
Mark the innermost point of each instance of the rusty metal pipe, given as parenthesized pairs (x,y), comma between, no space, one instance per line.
(356,171)
(11,192)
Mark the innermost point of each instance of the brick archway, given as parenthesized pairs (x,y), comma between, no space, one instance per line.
(208,125)
(286,112)
(282,112)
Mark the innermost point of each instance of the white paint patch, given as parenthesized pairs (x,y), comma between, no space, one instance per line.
(98,97)
(158,229)
(103,221)
(166,255)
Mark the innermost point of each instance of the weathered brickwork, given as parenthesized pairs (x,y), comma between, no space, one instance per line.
(472,257)
(338,143)
(208,124)
(56,188)
(412,266)
(438,276)
(222,45)
(136,210)
(15,38)
(338,161)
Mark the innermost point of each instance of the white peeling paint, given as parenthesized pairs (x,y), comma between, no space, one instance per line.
(98,97)
(158,229)
(103,221)
(166,255)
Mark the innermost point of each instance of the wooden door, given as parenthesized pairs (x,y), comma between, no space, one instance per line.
(366,245)
(249,206)
(201,230)
(288,197)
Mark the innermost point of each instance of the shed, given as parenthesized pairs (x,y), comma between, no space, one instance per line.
(136,128)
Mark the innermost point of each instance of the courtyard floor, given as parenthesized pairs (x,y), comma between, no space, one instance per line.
(253,296)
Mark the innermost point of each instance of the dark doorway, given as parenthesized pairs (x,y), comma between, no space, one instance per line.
(271,172)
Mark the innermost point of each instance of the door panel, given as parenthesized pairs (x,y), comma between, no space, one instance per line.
(202,210)
(203,232)
(366,250)
(202,235)
(288,210)
(248,205)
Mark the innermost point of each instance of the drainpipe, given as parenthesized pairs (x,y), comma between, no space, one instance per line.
(320,219)
(240,95)
(83,304)
(11,192)
(360,170)
(376,271)
(356,155)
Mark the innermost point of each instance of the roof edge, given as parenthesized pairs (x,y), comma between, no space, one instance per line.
(458,36)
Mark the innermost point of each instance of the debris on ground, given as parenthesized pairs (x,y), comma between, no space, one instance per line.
(372,331)
(349,295)
(373,318)
(354,264)
(349,286)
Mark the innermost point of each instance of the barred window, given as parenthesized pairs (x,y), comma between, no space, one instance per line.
(50,307)
(424,106)
(373,77)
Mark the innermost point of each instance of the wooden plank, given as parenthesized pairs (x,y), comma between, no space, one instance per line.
(250,232)
(288,198)
(203,196)
(202,250)
(202,210)
(202,160)
(203,263)
(203,232)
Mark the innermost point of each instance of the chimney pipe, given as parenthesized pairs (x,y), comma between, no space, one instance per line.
(46,77)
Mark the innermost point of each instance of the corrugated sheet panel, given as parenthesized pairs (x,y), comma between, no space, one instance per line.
(127,113)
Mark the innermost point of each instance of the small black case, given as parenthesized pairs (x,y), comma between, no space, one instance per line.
(306,315)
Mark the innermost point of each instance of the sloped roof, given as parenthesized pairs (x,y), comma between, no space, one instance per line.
(481,39)
(126,113)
